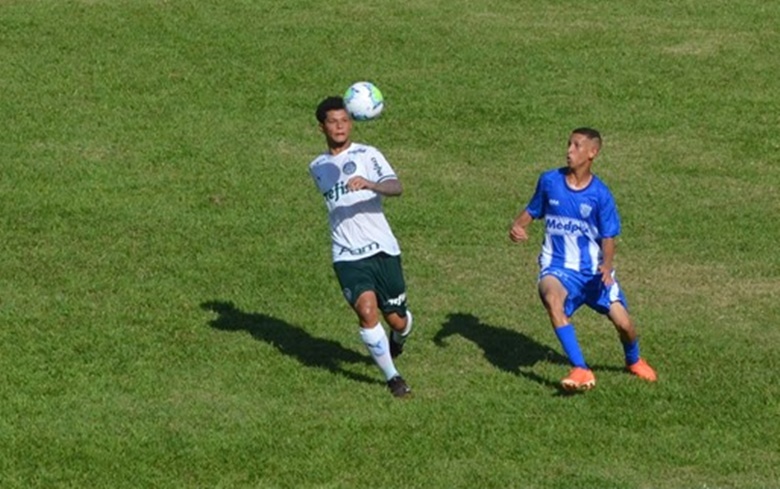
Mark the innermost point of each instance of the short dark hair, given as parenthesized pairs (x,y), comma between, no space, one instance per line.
(589,133)
(328,104)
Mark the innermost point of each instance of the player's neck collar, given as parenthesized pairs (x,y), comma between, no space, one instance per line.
(578,183)
(340,149)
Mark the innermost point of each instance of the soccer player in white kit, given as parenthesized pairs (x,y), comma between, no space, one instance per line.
(576,262)
(353,178)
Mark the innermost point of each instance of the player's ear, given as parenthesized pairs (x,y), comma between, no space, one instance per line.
(594,150)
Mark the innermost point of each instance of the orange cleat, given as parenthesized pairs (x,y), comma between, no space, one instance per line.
(579,379)
(642,370)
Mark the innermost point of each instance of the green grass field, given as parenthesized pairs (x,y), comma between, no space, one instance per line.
(169,313)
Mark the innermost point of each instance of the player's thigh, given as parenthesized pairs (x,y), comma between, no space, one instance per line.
(608,300)
(552,290)
(355,278)
(561,290)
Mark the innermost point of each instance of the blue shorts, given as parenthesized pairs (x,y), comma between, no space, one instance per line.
(586,289)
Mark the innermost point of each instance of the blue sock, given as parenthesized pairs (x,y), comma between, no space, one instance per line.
(568,338)
(632,351)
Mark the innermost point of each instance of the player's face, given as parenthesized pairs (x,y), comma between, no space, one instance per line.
(337,127)
(581,151)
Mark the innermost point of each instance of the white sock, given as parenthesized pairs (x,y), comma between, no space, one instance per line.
(401,337)
(375,340)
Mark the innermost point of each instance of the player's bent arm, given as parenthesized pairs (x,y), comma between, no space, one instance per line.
(607,253)
(607,260)
(518,231)
(389,188)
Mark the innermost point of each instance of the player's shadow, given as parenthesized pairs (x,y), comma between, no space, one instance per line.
(289,340)
(507,350)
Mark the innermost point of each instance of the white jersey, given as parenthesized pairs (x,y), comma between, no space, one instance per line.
(358,226)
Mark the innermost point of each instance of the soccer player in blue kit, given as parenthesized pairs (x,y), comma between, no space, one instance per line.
(576,262)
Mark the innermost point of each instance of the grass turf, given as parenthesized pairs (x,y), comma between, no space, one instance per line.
(170,318)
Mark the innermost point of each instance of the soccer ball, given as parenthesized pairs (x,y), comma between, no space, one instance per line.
(364,101)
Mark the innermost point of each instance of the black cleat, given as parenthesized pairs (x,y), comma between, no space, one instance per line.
(398,387)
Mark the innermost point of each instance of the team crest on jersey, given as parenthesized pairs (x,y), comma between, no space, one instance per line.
(585,210)
(349,168)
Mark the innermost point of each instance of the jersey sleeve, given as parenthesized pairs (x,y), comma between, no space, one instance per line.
(379,169)
(609,219)
(317,175)
(535,206)
(324,173)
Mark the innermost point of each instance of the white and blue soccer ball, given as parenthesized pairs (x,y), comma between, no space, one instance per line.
(364,101)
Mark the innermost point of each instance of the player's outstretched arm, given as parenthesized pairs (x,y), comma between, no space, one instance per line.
(388,188)
(518,231)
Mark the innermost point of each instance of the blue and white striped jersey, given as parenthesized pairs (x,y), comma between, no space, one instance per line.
(575,221)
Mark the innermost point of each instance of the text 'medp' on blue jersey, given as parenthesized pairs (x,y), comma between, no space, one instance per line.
(575,221)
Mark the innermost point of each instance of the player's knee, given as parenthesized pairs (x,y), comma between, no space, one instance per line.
(367,314)
(552,303)
(395,321)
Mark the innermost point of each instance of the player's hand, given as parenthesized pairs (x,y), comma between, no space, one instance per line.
(606,276)
(360,183)
(518,233)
